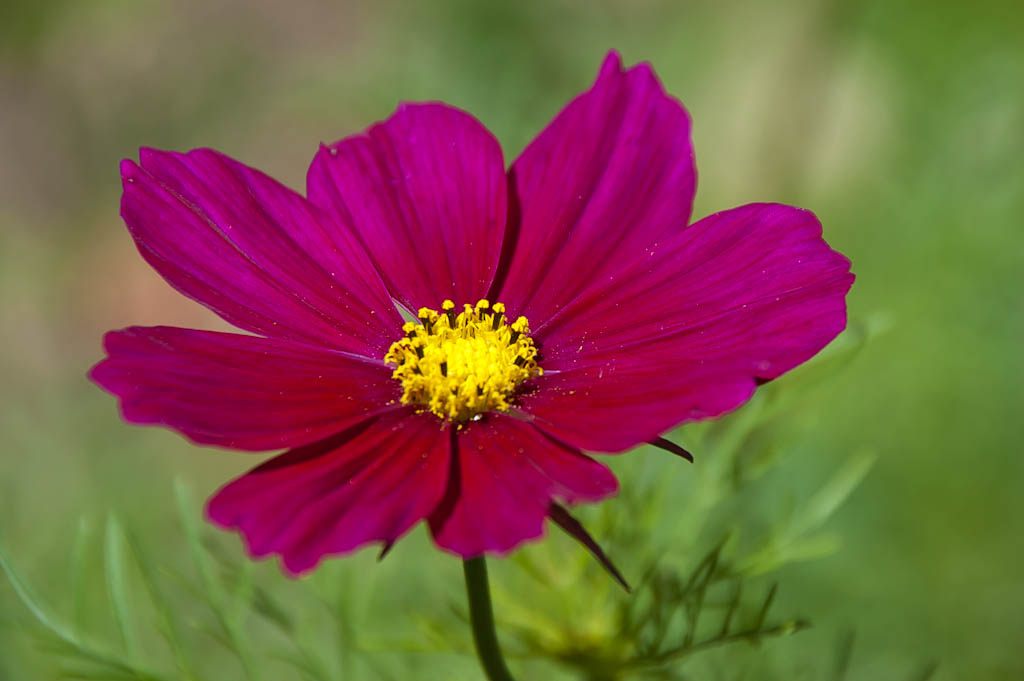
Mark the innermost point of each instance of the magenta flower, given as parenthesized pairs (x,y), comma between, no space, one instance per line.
(611,319)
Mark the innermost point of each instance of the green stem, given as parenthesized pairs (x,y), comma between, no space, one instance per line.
(481,617)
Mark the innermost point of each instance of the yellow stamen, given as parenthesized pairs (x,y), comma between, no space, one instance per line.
(460,366)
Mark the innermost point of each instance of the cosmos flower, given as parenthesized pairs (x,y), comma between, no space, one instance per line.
(434,338)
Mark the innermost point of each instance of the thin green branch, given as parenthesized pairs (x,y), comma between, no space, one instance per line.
(752,635)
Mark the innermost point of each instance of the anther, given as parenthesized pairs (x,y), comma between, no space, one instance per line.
(448,309)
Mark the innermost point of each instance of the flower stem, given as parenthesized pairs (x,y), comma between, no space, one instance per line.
(481,617)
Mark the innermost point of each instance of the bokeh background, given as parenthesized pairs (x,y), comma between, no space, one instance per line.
(901,124)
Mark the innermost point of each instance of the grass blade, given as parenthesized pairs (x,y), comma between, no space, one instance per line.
(230,623)
(79,552)
(165,615)
(32,602)
(117,587)
(827,499)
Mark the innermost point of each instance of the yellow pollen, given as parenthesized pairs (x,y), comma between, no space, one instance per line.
(459,366)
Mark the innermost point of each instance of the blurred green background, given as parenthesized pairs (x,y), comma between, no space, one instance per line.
(901,124)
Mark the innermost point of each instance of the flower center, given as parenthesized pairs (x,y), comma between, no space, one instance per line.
(459,366)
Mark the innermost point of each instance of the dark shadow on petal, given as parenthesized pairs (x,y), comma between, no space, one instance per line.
(454,489)
(315,449)
(573,528)
(508,245)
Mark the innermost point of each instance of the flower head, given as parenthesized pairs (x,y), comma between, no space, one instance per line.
(463,366)
(618,319)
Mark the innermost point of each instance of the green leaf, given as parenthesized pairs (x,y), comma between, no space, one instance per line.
(777,553)
(32,602)
(827,499)
(97,673)
(65,641)
(117,587)
(158,598)
(225,610)
(186,502)
(79,552)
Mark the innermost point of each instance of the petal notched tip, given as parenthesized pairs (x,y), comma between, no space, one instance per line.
(612,64)
(129,169)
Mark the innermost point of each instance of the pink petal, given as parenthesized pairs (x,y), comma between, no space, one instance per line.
(371,483)
(688,329)
(506,475)
(611,174)
(425,193)
(255,252)
(242,392)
